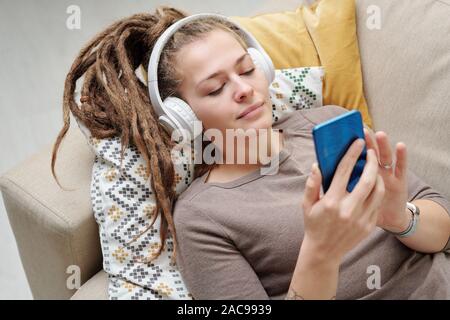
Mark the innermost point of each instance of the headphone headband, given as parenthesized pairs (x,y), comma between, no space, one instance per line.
(164,38)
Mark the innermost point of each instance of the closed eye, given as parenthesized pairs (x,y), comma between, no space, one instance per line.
(250,71)
(215,93)
(218,91)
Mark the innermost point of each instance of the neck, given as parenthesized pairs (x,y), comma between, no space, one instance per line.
(248,155)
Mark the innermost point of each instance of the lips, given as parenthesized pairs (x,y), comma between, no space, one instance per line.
(250,109)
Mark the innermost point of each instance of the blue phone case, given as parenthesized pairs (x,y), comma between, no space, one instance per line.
(332,139)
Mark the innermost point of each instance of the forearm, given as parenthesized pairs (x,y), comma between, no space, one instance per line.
(433,229)
(314,277)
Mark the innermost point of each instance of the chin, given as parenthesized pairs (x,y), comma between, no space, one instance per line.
(266,119)
(264,122)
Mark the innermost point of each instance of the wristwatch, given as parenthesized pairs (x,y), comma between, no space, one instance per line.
(415,212)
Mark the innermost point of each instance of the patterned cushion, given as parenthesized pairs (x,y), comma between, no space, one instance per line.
(123,204)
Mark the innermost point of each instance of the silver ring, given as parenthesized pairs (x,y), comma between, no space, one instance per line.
(387,166)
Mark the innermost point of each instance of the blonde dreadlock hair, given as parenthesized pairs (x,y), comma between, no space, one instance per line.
(115,102)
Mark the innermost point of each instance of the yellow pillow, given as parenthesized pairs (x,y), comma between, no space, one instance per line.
(284,37)
(324,34)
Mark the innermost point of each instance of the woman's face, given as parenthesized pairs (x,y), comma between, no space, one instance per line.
(220,82)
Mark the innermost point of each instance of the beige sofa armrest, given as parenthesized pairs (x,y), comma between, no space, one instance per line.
(95,288)
(54,229)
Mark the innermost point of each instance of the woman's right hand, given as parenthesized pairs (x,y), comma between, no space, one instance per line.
(336,222)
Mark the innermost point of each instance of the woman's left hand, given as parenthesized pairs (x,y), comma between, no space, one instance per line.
(392,215)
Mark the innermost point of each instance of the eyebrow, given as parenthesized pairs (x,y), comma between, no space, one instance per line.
(239,60)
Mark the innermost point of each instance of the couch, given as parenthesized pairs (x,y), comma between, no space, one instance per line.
(406,73)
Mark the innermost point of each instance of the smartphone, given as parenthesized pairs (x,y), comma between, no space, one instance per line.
(332,139)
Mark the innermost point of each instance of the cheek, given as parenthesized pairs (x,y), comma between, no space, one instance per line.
(261,78)
(212,115)
(201,111)
(262,87)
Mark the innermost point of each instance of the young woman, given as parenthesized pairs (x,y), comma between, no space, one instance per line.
(240,233)
(247,235)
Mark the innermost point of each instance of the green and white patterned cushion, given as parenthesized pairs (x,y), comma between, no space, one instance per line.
(122,204)
(294,89)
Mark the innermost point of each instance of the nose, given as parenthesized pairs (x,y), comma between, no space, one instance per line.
(243,89)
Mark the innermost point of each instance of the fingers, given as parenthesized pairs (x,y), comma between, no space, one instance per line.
(312,188)
(383,149)
(369,136)
(345,167)
(370,209)
(385,153)
(401,165)
(367,179)
(374,199)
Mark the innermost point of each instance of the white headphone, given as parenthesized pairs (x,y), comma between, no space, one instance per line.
(176,114)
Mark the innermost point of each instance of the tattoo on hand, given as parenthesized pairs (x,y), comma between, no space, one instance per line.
(292,295)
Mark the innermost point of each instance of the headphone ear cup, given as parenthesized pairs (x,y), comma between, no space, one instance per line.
(260,61)
(180,115)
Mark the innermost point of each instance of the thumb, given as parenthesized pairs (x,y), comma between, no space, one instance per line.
(312,188)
